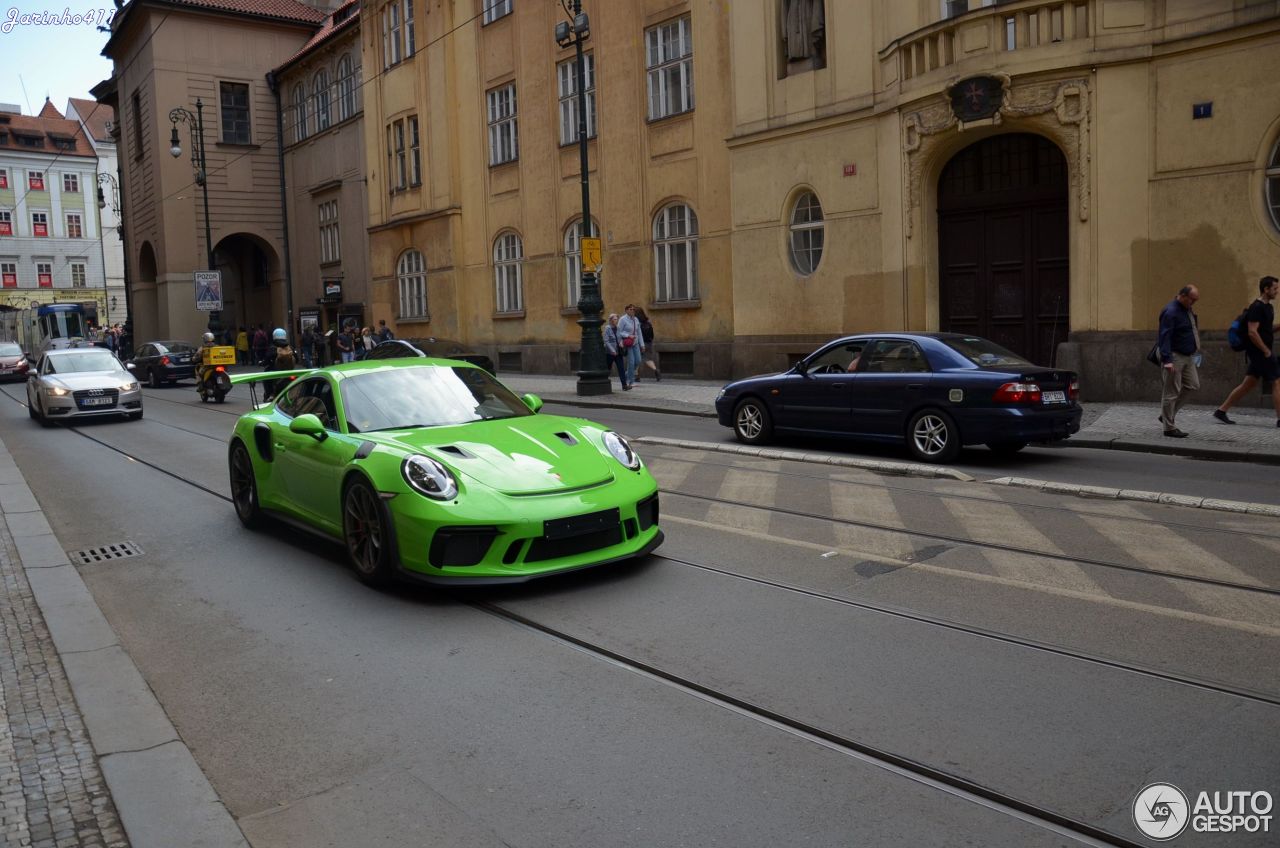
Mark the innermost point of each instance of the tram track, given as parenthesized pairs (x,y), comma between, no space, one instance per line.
(907,767)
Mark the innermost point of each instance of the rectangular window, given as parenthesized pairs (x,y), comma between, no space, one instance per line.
(567,73)
(74,227)
(136,117)
(40,224)
(35,180)
(494,9)
(392,27)
(4,178)
(504,136)
(44,274)
(415,153)
(409,46)
(669,48)
(9,274)
(6,223)
(77,275)
(329,249)
(399,165)
(70,183)
(235,112)
(952,8)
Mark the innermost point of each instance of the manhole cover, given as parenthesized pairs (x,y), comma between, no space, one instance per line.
(119,550)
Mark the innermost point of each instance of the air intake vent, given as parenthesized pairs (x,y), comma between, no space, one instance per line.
(457,451)
(566,438)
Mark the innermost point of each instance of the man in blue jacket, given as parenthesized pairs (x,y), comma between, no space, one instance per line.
(1179,356)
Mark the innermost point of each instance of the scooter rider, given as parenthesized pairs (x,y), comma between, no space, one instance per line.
(283,360)
(203,353)
(211,379)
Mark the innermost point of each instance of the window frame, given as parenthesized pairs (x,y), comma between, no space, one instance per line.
(6,222)
(4,178)
(666,246)
(415,150)
(495,10)
(44,223)
(508,273)
(79,224)
(9,274)
(1271,184)
(410,42)
(330,232)
(228,120)
(396,155)
(502,111)
(34,177)
(82,267)
(320,96)
(573,257)
(411,273)
(70,183)
(301,118)
(567,89)
(659,65)
(805,230)
(42,274)
(346,87)
(393,48)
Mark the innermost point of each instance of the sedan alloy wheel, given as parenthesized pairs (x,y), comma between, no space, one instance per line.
(751,422)
(932,436)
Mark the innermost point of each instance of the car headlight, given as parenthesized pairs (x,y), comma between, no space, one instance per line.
(129,387)
(56,391)
(621,450)
(720,395)
(429,477)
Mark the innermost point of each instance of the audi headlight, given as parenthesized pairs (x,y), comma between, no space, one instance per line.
(56,391)
(129,387)
(621,450)
(429,477)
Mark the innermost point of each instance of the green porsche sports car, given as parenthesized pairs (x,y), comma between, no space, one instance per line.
(432,469)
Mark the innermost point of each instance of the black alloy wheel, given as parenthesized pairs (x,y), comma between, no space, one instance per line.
(366,529)
(752,423)
(1005,448)
(244,487)
(932,436)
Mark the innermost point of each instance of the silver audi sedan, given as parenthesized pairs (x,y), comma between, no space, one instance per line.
(81,382)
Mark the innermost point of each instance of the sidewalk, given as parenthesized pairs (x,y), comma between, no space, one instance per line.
(1112,426)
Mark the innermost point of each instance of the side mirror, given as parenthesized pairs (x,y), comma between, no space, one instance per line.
(129,365)
(308,425)
(533,402)
(800,368)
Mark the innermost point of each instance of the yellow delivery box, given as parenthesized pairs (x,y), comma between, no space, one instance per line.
(221,355)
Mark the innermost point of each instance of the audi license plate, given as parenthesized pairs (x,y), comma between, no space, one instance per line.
(1055,397)
(97,401)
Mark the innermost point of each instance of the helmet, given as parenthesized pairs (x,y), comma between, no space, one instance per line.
(208,338)
(279,335)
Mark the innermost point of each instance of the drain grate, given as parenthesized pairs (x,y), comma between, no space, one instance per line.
(119,550)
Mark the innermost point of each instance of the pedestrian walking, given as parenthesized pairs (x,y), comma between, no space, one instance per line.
(649,354)
(630,342)
(1179,344)
(307,346)
(367,342)
(384,332)
(242,346)
(1260,358)
(613,349)
(112,342)
(346,350)
(261,346)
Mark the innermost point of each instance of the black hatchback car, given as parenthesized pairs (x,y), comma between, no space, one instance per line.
(932,391)
(164,362)
(438,348)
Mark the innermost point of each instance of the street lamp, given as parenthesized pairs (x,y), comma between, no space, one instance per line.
(593,367)
(105,179)
(198,163)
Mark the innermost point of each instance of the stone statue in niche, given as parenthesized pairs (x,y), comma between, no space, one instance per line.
(804,35)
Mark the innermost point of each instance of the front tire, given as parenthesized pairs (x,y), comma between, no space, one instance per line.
(932,436)
(244,487)
(366,530)
(41,416)
(1005,448)
(752,423)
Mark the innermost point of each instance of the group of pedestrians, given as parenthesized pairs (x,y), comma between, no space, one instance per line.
(629,342)
(1180,356)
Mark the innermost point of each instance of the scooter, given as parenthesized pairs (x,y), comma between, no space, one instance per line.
(213,382)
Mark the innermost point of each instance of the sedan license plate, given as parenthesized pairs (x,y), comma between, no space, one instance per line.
(1055,397)
(97,401)
(580,525)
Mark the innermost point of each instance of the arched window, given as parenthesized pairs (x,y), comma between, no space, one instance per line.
(411,272)
(346,88)
(675,253)
(1273,185)
(573,259)
(508,256)
(300,130)
(320,91)
(807,233)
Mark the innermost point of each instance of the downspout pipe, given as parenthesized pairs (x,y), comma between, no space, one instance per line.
(274,83)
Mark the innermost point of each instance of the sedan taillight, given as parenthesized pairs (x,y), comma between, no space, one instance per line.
(1073,391)
(164,360)
(1018,393)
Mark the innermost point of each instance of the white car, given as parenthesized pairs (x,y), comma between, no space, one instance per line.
(81,382)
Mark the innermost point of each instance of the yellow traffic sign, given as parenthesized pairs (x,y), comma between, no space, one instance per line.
(590,254)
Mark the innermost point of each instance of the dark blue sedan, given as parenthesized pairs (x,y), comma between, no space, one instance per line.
(933,391)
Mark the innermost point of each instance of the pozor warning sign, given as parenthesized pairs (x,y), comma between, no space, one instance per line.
(208,290)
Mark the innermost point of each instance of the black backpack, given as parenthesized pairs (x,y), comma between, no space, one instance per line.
(1238,332)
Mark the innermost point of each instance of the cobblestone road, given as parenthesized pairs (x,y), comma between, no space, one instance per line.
(52,794)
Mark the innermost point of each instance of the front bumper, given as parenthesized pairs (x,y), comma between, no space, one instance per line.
(79,404)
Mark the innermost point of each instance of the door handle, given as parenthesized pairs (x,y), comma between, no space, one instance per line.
(915,385)
(837,385)
(280,447)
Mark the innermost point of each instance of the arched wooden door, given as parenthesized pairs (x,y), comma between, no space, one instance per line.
(1002,236)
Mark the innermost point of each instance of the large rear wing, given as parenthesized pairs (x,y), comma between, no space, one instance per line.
(256,377)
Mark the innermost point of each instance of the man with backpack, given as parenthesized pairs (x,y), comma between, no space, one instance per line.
(1259,324)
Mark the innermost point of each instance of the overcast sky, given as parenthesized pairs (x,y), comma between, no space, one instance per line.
(58,60)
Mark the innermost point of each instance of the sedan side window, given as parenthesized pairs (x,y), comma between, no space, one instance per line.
(894,356)
(840,359)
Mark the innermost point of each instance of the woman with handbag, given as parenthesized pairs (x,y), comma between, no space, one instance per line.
(630,342)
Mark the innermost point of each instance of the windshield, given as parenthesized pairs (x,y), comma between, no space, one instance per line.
(425,396)
(89,360)
(10,350)
(983,353)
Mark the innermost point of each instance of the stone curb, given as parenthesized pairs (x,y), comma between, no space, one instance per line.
(902,469)
(1137,495)
(160,793)
(1173,447)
